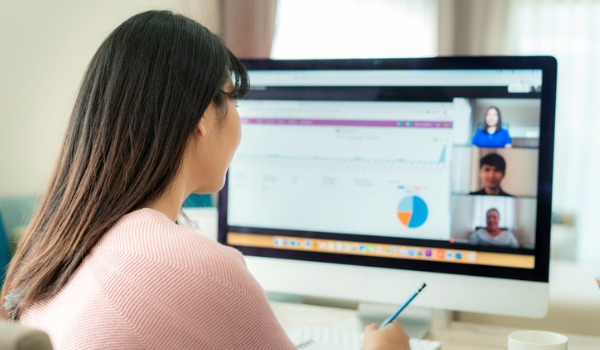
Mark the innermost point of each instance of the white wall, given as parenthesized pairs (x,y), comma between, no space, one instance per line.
(45,47)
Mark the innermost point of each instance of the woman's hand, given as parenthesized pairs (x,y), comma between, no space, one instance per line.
(392,337)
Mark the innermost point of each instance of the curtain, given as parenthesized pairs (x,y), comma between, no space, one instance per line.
(246,26)
(471,27)
(205,12)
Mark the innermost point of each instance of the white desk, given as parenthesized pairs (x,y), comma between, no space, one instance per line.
(454,335)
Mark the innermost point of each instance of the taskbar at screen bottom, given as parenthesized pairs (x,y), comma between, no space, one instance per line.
(456,256)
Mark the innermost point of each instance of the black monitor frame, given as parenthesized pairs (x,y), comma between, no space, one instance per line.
(539,273)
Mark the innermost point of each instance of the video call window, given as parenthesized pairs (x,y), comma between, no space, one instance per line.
(503,123)
(494,180)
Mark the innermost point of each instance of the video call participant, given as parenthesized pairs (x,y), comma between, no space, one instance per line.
(492,234)
(492,169)
(491,134)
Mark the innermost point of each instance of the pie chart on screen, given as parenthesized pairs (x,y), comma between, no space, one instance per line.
(412,211)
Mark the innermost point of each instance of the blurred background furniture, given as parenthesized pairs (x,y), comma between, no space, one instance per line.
(14,336)
(198,201)
(5,251)
(201,214)
(16,214)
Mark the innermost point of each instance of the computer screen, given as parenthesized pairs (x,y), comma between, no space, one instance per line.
(359,179)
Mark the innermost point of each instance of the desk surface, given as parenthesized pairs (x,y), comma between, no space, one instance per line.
(453,335)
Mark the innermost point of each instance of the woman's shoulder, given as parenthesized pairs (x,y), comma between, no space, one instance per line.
(148,235)
(147,252)
(477,137)
(480,231)
(508,232)
(505,135)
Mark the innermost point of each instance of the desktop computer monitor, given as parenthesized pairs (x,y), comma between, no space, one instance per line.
(360,179)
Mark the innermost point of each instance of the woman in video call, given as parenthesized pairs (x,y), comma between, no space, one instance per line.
(104,263)
(492,234)
(491,134)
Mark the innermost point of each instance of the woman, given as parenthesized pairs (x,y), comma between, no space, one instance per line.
(491,134)
(492,234)
(104,263)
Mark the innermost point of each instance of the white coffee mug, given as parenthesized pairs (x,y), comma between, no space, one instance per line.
(536,340)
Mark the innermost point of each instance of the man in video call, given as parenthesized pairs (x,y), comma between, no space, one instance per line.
(492,169)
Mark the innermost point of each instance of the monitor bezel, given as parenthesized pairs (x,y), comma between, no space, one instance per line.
(546,64)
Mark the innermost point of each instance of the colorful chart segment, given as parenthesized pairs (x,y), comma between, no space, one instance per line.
(412,211)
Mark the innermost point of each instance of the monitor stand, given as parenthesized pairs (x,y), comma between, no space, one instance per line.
(416,320)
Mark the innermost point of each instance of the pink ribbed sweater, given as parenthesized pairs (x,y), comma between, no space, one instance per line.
(152,284)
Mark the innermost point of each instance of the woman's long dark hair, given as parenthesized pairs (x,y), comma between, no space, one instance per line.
(485,125)
(141,99)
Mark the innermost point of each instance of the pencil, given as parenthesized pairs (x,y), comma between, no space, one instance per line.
(393,317)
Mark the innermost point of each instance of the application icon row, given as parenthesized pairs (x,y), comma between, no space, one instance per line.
(373,249)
